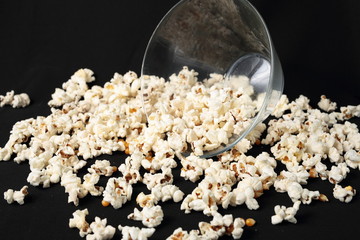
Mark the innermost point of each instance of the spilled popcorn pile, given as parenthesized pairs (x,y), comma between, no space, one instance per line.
(183,114)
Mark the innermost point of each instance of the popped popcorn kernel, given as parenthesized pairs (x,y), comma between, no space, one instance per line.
(78,221)
(129,233)
(15,100)
(100,230)
(16,196)
(149,216)
(282,213)
(345,194)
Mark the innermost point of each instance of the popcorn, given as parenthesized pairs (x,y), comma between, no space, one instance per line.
(117,192)
(180,234)
(352,159)
(130,169)
(129,233)
(15,100)
(149,216)
(283,213)
(183,115)
(163,178)
(102,167)
(222,225)
(200,200)
(73,89)
(100,230)
(16,196)
(281,106)
(148,200)
(73,187)
(326,104)
(338,173)
(345,194)
(89,184)
(246,192)
(78,221)
(167,192)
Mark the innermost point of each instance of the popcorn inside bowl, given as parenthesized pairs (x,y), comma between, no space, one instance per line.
(199,116)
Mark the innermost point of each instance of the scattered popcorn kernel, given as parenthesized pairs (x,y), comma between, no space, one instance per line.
(105,203)
(100,230)
(129,233)
(78,221)
(283,213)
(326,104)
(15,100)
(345,194)
(16,196)
(250,222)
(149,216)
(117,192)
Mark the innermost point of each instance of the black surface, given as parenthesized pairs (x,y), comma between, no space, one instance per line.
(42,43)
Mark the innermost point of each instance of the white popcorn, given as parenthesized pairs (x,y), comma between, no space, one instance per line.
(149,216)
(283,213)
(180,234)
(78,221)
(5,153)
(352,159)
(281,106)
(193,167)
(7,99)
(73,89)
(222,225)
(338,173)
(100,230)
(130,169)
(147,200)
(129,233)
(162,159)
(167,192)
(290,182)
(20,100)
(15,100)
(326,104)
(350,111)
(102,167)
(246,192)
(16,196)
(73,187)
(89,184)
(200,200)
(222,174)
(163,178)
(345,194)
(117,192)
(37,177)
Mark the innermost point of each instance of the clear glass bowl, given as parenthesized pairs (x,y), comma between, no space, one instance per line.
(228,37)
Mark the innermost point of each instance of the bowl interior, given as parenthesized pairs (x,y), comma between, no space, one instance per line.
(227,37)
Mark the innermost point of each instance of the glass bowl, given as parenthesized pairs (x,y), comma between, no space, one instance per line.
(228,37)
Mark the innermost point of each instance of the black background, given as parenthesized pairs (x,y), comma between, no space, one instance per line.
(43,42)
